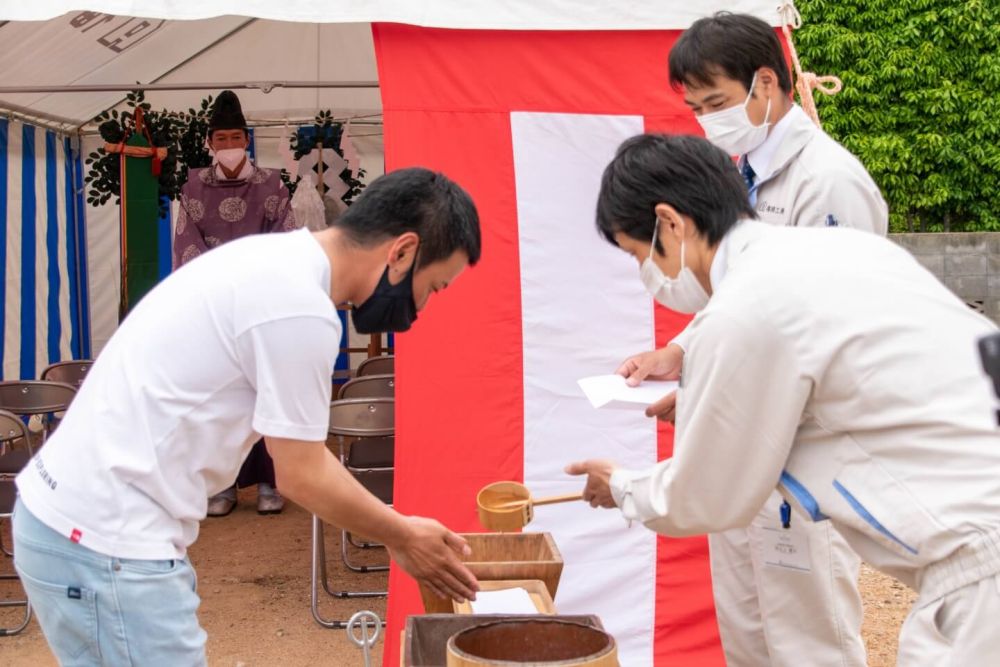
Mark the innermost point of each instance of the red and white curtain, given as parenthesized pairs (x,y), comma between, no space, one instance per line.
(526,122)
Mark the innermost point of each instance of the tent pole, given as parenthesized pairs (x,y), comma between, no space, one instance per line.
(38,118)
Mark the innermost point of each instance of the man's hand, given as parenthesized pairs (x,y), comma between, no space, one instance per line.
(662,364)
(664,409)
(430,554)
(597,491)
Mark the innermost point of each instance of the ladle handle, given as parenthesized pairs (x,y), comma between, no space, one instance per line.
(552,500)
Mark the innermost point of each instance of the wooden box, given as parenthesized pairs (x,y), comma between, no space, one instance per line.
(425,639)
(506,557)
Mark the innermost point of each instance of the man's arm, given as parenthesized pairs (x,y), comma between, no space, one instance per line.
(284,215)
(189,242)
(738,412)
(308,474)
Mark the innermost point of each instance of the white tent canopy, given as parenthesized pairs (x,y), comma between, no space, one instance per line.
(482,14)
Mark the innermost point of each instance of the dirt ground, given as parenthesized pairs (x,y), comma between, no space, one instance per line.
(253,577)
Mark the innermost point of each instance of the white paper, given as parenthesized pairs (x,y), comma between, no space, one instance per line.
(611,391)
(507,601)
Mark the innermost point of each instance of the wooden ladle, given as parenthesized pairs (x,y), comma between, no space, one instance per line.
(508,506)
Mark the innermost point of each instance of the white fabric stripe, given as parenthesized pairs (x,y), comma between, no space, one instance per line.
(65,351)
(583,311)
(103,264)
(41,258)
(12,284)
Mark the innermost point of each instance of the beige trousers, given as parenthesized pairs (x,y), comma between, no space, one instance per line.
(780,616)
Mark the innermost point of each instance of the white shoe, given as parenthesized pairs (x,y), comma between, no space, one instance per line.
(222,503)
(269,501)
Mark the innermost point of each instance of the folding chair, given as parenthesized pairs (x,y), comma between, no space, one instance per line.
(11,462)
(369,420)
(376,454)
(382,365)
(369,386)
(36,397)
(69,372)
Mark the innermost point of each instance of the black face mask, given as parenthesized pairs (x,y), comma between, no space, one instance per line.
(389,308)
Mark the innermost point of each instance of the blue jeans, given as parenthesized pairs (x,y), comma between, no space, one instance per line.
(99,610)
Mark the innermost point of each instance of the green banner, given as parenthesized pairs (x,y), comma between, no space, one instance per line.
(139,217)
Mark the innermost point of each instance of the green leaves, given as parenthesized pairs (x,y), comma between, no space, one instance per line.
(921,102)
(183,135)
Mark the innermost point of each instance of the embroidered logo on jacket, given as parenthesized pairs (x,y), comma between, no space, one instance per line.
(765,207)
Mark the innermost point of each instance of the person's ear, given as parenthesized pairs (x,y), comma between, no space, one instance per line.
(767,81)
(403,252)
(672,223)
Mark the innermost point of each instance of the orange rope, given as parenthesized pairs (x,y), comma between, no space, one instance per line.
(805,82)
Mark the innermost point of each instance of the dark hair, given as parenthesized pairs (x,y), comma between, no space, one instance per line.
(415,200)
(735,45)
(686,172)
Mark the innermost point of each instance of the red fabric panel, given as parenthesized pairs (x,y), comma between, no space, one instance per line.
(613,72)
(459,414)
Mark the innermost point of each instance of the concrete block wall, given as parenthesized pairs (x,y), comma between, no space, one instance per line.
(967,263)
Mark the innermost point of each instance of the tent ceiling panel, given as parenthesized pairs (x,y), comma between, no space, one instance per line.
(276,51)
(58,52)
(510,14)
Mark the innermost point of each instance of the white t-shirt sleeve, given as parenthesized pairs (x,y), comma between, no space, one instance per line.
(290,364)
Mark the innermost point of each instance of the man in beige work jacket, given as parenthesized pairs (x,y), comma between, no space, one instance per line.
(773,607)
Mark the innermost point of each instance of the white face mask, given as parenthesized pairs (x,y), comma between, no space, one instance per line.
(731,129)
(230,158)
(683,294)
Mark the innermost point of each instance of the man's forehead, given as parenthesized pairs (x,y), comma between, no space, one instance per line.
(717,85)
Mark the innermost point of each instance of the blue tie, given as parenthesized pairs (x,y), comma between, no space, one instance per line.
(749,175)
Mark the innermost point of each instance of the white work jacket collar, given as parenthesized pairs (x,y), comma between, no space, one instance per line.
(784,142)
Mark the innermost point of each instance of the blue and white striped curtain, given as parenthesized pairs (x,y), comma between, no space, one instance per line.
(43,306)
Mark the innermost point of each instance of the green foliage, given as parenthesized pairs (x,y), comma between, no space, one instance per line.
(920,105)
(327,133)
(104,176)
(182,134)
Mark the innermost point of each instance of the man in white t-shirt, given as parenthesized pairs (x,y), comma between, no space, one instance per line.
(237,344)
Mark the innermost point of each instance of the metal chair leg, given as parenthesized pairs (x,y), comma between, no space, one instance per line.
(3,549)
(10,632)
(344,539)
(318,575)
(7,632)
(363,545)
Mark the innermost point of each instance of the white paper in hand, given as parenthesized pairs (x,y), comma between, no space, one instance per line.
(507,601)
(611,391)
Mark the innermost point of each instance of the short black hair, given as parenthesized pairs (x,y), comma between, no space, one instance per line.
(735,45)
(417,200)
(689,173)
